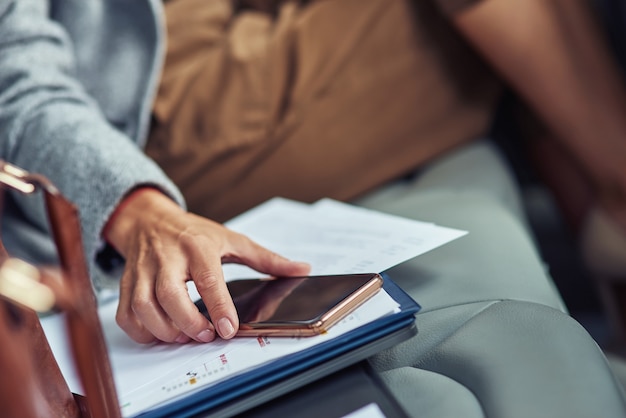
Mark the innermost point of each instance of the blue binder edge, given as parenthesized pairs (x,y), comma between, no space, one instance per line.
(236,386)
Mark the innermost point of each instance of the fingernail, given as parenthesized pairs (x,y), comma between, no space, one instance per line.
(225,328)
(182,339)
(206,336)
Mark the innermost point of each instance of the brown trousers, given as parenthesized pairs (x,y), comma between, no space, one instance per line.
(331,98)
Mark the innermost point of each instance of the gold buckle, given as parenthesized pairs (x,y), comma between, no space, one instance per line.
(20,282)
(23,181)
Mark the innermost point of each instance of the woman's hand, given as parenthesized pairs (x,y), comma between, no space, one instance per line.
(164,247)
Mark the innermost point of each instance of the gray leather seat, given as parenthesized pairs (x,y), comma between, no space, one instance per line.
(495,339)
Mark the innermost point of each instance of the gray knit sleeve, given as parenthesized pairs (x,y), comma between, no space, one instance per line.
(50,125)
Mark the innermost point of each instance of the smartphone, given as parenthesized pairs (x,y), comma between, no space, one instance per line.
(297,306)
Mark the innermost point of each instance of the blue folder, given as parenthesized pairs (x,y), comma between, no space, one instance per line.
(265,382)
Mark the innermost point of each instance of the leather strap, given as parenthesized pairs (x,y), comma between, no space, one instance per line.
(75,296)
(85,330)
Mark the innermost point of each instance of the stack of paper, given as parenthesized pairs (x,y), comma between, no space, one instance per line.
(334,237)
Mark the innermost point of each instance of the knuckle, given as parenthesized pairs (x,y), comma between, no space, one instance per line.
(206,281)
(220,304)
(123,319)
(141,304)
(189,238)
(192,239)
(166,293)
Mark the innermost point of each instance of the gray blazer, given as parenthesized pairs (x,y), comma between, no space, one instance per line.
(77,81)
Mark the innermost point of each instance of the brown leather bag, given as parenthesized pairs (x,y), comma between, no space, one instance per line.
(31,383)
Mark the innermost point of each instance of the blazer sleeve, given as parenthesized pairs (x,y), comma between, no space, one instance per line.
(51,126)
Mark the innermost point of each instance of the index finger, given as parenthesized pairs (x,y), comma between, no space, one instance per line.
(206,272)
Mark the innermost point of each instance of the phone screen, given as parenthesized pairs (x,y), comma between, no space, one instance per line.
(296,300)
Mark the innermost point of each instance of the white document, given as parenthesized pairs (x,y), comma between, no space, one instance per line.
(334,237)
